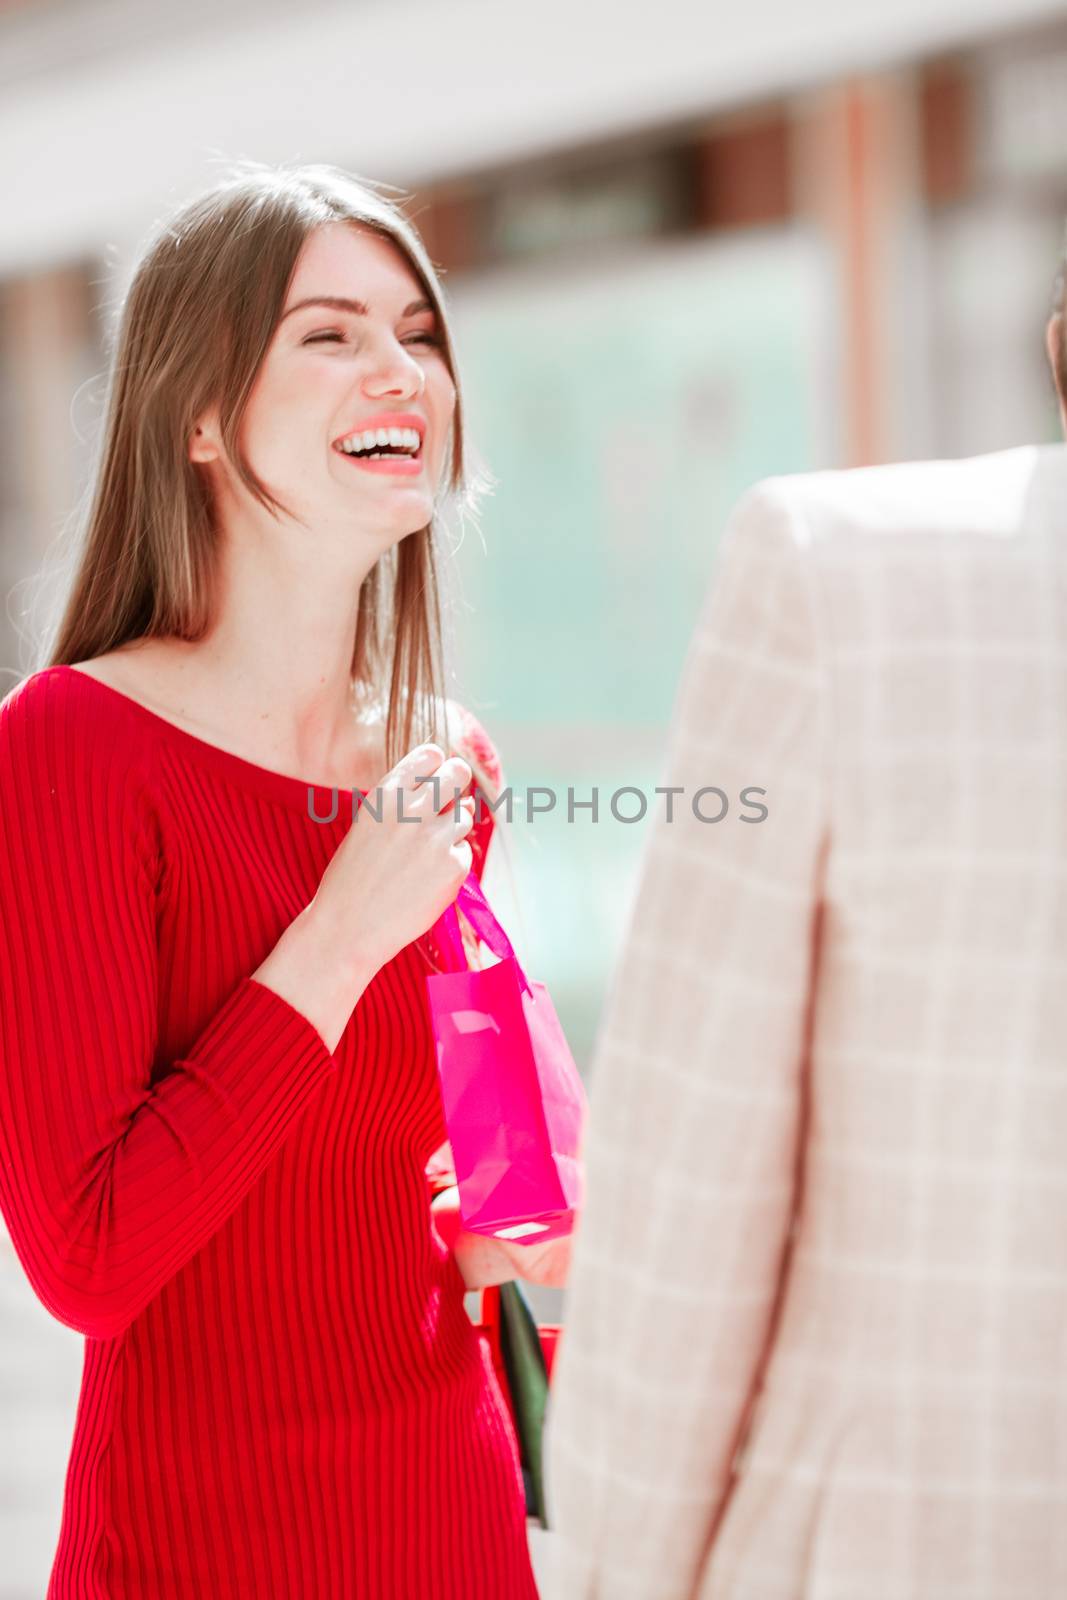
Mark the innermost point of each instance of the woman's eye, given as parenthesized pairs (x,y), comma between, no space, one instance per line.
(416,338)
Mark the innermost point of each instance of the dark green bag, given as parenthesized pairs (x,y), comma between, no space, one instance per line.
(527,1377)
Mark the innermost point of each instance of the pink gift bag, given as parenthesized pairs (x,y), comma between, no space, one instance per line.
(513,1099)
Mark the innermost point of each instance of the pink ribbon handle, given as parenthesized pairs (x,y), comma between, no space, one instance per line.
(479,913)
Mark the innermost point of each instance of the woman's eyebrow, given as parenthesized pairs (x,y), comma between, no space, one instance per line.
(337,302)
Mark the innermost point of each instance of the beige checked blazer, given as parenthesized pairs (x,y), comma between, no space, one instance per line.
(815,1339)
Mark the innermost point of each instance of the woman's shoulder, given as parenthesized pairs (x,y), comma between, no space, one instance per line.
(56,693)
(56,722)
(75,785)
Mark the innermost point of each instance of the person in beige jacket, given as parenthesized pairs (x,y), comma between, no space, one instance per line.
(815,1341)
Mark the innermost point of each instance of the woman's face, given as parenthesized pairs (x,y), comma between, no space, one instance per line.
(332,372)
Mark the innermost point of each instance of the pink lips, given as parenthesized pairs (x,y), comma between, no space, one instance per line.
(399,466)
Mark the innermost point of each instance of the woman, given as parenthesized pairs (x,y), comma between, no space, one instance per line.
(218,1093)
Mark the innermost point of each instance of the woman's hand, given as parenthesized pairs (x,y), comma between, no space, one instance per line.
(547,1264)
(484,1261)
(390,878)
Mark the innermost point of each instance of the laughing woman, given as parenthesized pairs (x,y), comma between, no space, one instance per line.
(217,1080)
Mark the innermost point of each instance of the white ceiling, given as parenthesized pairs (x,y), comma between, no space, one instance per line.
(113,110)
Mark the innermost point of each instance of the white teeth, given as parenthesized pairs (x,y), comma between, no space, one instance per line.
(374,438)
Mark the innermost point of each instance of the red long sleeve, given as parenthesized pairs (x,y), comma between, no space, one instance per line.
(282,1392)
(110,1182)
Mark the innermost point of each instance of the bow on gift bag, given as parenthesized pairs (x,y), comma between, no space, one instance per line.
(513,1100)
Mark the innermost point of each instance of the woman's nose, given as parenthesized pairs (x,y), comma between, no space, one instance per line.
(395,373)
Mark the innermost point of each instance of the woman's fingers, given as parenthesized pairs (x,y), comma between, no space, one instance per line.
(441,782)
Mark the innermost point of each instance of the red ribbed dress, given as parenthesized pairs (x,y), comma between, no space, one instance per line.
(283,1397)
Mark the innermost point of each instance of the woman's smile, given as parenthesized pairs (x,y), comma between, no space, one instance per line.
(390,442)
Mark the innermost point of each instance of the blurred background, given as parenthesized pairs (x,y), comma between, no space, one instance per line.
(686,246)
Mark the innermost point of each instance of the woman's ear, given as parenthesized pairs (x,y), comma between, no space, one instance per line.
(203,445)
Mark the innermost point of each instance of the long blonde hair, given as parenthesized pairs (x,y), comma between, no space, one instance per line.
(204,300)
